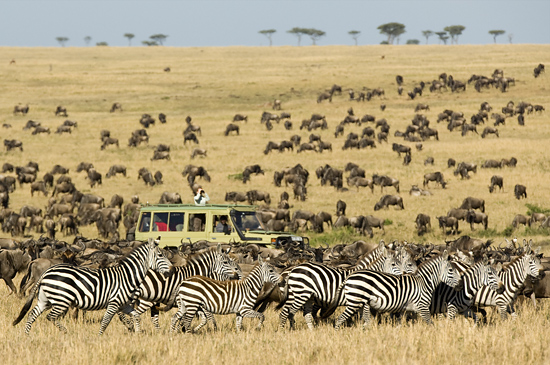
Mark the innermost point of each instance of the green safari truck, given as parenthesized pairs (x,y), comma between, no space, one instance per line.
(226,223)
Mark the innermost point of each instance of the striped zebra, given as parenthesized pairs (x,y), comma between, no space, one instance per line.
(528,264)
(311,285)
(156,289)
(223,297)
(63,286)
(451,301)
(396,293)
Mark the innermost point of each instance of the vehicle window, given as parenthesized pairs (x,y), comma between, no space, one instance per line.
(176,221)
(160,222)
(197,222)
(247,221)
(222,224)
(145,222)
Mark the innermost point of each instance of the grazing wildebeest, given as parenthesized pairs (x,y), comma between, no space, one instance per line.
(324,96)
(435,176)
(271,146)
(473,203)
(40,129)
(38,186)
(477,217)
(61,110)
(307,147)
(115,107)
(198,152)
(191,137)
(388,200)
(491,164)
(429,161)
(340,208)
(451,222)
(116,169)
(537,217)
(512,162)
(520,191)
(13,143)
(384,180)
(235,196)
(231,127)
(109,141)
(94,177)
(240,117)
(496,181)
(422,223)
(160,155)
(520,219)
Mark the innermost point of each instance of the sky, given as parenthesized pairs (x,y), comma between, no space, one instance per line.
(211,23)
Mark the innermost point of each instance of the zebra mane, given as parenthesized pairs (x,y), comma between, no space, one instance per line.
(131,253)
(431,261)
(518,258)
(201,254)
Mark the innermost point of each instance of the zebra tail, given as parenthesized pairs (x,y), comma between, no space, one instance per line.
(284,296)
(27,305)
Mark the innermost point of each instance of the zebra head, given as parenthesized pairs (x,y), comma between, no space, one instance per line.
(408,265)
(448,274)
(224,267)
(391,264)
(533,268)
(267,272)
(488,275)
(156,260)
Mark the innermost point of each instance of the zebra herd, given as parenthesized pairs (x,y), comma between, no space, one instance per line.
(383,281)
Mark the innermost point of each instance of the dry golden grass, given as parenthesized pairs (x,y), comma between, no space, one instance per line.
(211,85)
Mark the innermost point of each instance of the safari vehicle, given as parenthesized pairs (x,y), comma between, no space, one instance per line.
(185,222)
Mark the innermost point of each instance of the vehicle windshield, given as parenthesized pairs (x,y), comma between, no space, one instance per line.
(246,221)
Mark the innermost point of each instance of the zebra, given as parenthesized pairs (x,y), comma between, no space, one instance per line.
(528,264)
(447,299)
(223,297)
(396,294)
(312,285)
(213,262)
(63,286)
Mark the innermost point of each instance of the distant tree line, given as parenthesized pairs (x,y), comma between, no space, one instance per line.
(392,31)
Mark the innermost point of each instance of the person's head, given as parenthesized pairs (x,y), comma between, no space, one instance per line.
(200,191)
(223,219)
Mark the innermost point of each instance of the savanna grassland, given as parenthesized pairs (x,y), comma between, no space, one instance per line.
(213,84)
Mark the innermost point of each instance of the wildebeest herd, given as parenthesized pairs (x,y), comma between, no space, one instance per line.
(68,208)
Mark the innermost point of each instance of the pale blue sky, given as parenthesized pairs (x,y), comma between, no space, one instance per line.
(193,23)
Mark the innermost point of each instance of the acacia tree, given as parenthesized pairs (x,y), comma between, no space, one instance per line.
(413,41)
(62,40)
(159,38)
(427,34)
(149,43)
(354,34)
(454,31)
(268,33)
(442,37)
(87,40)
(129,36)
(314,34)
(392,30)
(298,32)
(496,33)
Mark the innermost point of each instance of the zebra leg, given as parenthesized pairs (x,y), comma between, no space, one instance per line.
(203,319)
(292,306)
(252,314)
(366,315)
(239,322)
(451,312)
(348,312)
(54,315)
(40,307)
(154,315)
(425,314)
(124,314)
(112,309)
(308,315)
(176,318)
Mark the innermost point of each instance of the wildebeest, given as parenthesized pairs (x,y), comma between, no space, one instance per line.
(435,176)
(12,262)
(399,148)
(388,200)
(116,169)
(478,218)
(307,147)
(384,180)
(61,110)
(191,137)
(324,96)
(496,181)
(231,127)
(520,219)
(115,107)
(109,141)
(240,117)
(235,196)
(473,203)
(12,144)
(340,208)
(520,191)
(21,109)
(489,130)
(94,177)
(537,217)
(422,223)
(445,222)
(170,198)
(39,186)
(198,152)
(160,155)
(256,195)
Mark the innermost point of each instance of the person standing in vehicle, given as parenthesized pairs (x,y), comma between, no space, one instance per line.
(201,198)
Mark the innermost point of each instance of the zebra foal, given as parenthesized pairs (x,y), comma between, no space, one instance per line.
(396,293)
(63,286)
(223,297)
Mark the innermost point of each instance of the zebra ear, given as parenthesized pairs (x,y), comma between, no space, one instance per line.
(499,267)
(445,255)
(381,244)
(537,251)
(485,260)
(219,248)
(260,260)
